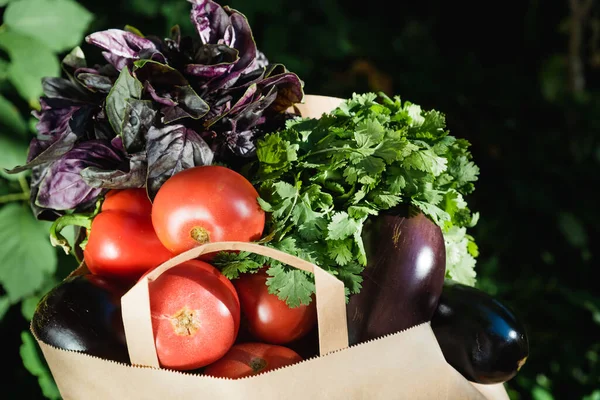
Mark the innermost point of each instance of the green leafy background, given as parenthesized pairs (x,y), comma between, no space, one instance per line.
(505,76)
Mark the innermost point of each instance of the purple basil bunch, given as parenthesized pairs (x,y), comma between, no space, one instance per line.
(157,107)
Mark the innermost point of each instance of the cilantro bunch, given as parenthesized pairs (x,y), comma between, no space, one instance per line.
(321,179)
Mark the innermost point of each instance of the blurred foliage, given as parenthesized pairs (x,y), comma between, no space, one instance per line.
(513,82)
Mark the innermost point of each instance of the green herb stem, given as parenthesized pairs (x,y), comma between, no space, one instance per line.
(24,185)
(329,150)
(24,195)
(297,184)
(7,198)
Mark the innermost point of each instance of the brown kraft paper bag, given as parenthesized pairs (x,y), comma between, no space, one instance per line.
(405,365)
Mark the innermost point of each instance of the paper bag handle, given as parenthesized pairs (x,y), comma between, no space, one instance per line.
(330,302)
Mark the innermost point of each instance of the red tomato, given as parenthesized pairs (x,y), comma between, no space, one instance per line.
(269,319)
(212,270)
(195,315)
(206,204)
(246,359)
(135,201)
(121,241)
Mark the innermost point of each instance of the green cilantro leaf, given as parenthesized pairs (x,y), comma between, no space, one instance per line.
(290,284)
(341,226)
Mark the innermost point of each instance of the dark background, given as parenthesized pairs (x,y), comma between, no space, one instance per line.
(505,74)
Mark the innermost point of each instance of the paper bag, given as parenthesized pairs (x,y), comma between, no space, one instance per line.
(405,365)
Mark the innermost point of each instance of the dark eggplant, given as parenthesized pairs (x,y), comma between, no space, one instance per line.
(403,279)
(83,313)
(481,337)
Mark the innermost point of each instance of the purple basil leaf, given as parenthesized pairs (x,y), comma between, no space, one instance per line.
(289,90)
(210,19)
(63,187)
(222,25)
(122,48)
(172,149)
(134,177)
(165,101)
(244,41)
(103,131)
(215,54)
(260,61)
(53,121)
(237,128)
(248,97)
(208,72)
(189,105)
(248,78)
(38,173)
(60,88)
(172,114)
(158,74)
(93,80)
(45,149)
(139,117)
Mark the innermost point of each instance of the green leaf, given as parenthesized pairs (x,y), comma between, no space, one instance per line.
(11,119)
(459,262)
(3,69)
(126,87)
(341,226)
(463,170)
(360,212)
(540,393)
(13,153)
(264,205)
(28,258)
(30,303)
(4,306)
(285,190)
(291,285)
(427,161)
(437,214)
(340,251)
(36,365)
(59,24)
(30,61)
(28,306)
(350,275)
(386,200)
(275,154)
(234,264)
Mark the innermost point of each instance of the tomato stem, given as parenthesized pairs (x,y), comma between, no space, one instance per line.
(258,364)
(200,234)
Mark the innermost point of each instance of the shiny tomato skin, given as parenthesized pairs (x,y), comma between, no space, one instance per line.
(123,245)
(269,319)
(195,316)
(206,204)
(121,242)
(134,201)
(247,359)
(213,271)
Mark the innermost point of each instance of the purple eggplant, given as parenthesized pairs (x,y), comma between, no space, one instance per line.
(480,336)
(83,313)
(403,279)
